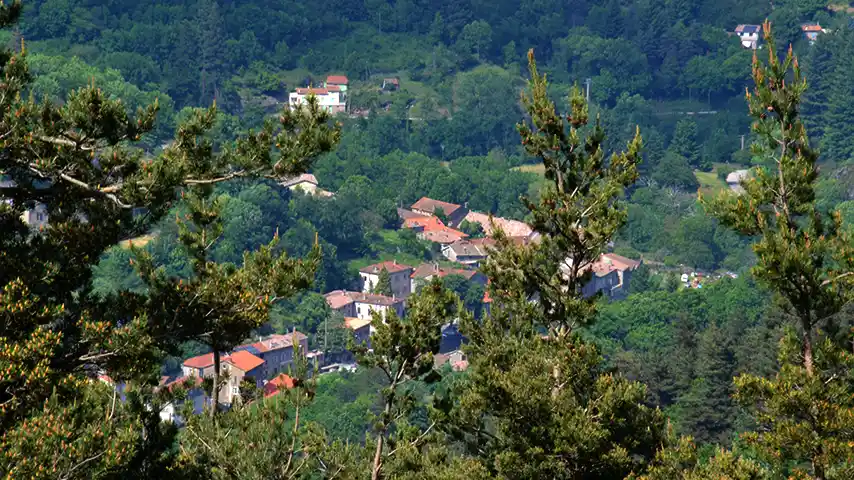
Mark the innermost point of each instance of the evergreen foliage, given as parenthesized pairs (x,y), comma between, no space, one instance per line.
(56,335)
(383,286)
(535,401)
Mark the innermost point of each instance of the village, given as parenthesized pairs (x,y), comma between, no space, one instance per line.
(265,361)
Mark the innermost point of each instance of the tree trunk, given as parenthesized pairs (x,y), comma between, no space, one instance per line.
(808,352)
(215,388)
(818,470)
(378,455)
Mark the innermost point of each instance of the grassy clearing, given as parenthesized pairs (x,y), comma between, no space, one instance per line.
(710,183)
(536,168)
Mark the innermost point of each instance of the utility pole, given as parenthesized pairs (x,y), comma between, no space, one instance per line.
(587,82)
(742,141)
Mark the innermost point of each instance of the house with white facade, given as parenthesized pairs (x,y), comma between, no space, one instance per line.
(328,98)
(363,305)
(398,274)
(35,217)
(749,35)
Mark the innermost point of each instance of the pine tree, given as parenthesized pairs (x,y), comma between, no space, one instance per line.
(403,350)
(537,402)
(383,286)
(265,439)
(805,412)
(805,258)
(56,337)
(708,409)
(224,304)
(684,142)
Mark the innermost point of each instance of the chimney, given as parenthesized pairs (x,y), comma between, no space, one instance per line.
(394,262)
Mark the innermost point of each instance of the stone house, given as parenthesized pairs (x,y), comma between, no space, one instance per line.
(398,273)
(427,206)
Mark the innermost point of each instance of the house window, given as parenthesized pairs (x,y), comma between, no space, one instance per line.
(235,390)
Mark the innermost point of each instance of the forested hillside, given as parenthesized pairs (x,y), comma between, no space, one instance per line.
(159,141)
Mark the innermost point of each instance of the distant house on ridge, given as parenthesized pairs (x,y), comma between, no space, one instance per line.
(749,35)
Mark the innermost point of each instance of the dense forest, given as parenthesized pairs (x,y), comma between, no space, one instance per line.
(157,134)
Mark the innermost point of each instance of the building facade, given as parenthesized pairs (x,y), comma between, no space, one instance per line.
(398,273)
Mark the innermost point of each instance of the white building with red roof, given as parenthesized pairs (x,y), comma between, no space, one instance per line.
(363,305)
(328,98)
(428,206)
(398,273)
(340,81)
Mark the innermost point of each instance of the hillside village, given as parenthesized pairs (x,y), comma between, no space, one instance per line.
(265,361)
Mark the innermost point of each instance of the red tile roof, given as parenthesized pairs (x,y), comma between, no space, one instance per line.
(201,361)
(337,80)
(274,386)
(316,91)
(405,214)
(197,382)
(423,222)
(304,178)
(429,270)
(244,360)
(429,205)
(356,323)
(511,228)
(277,341)
(390,266)
(619,262)
(444,235)
(344,297)
(811,28)
(338,299)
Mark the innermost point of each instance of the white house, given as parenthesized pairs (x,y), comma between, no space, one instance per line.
(328,98)
(35,217)
(339,81)
(398,273)
(361,305)
(735,178)
(749,35)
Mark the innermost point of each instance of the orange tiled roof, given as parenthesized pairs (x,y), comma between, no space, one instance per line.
(511,228)
(429,205)
(444,235)
(337,80)
(356,323)
(274,386)
(277,341)
(428,270)
(390,266)
(338,299)
(619,261)
(316,91)
(424,222)
(201,361)
(244,360)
